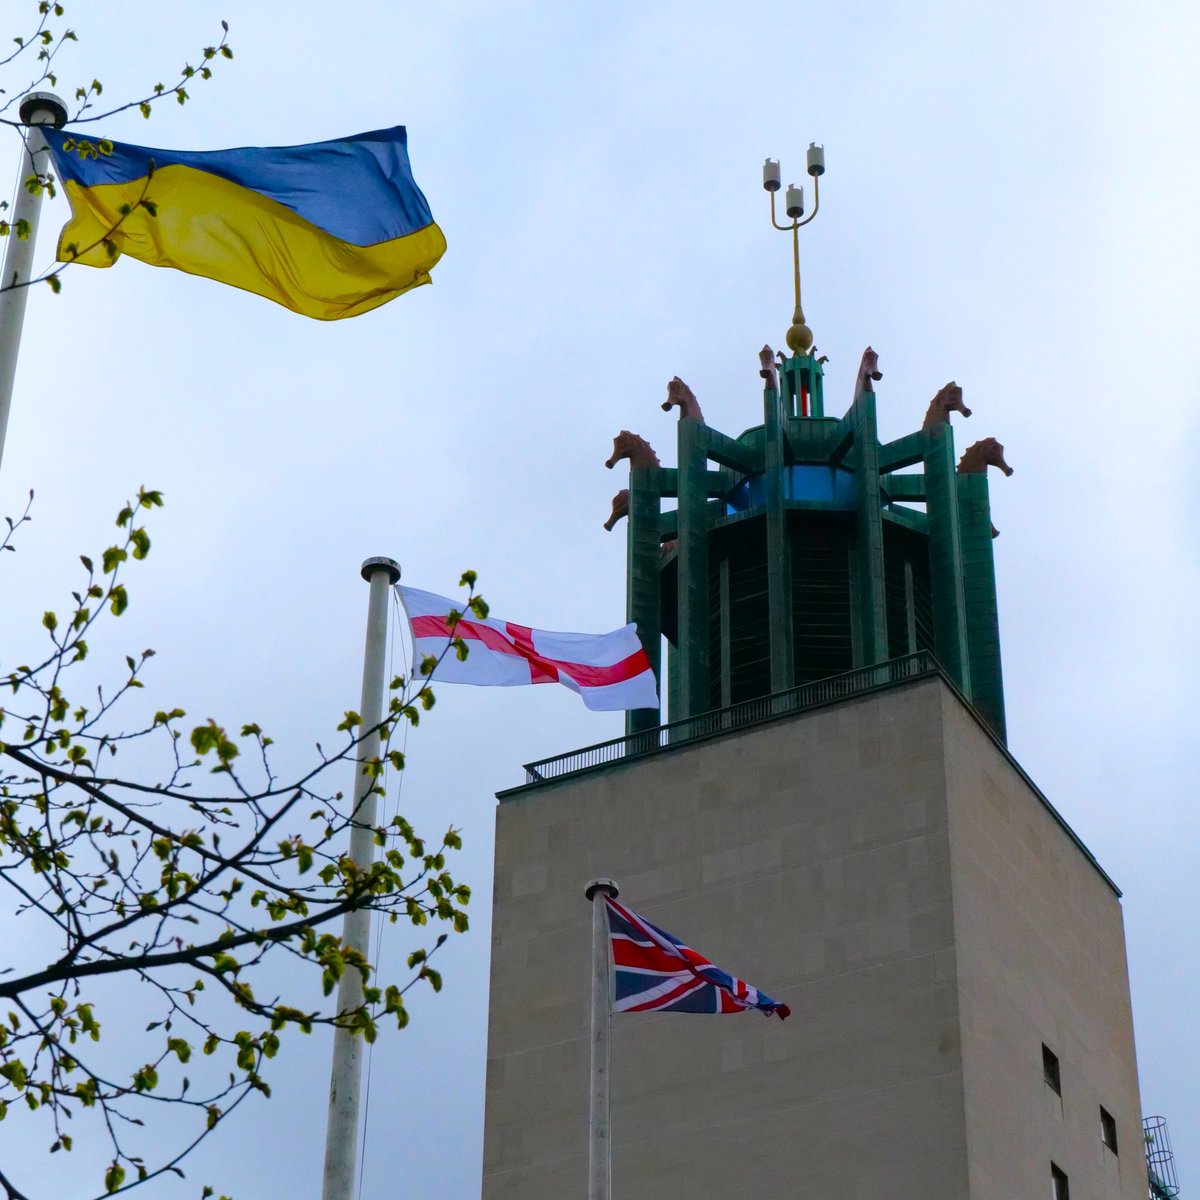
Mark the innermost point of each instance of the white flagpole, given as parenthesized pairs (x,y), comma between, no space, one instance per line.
(599,1143)
(38,108)
(341,1136)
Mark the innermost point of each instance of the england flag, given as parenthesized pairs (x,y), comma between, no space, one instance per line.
(608,670)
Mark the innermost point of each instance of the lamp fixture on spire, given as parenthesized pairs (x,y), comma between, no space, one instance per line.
(799,336)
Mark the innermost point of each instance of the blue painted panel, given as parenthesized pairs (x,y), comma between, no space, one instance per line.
(807,482)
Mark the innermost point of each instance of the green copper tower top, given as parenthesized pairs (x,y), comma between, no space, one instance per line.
(805,548)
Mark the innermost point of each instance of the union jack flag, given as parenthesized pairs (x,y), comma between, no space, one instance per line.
(656,972)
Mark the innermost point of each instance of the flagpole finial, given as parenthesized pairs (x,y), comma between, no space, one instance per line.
(43,108)
(379,562)
(607,886)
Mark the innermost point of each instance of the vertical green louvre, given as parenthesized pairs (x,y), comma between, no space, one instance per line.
(868,546)
(979,577)
(799,555)
(779,559)
(642,600)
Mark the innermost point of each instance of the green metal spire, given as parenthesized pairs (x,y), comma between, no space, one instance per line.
(794,552)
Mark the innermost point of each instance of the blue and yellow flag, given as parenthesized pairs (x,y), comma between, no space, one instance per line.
(329,230)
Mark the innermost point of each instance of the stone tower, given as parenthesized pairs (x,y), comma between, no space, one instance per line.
(833,813)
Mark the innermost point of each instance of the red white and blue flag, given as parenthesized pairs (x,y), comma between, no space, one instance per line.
(609,670)
(655,972)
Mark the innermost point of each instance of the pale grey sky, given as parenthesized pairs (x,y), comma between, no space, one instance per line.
(1008,204)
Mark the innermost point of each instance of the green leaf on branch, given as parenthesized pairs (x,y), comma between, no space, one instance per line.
(156,867)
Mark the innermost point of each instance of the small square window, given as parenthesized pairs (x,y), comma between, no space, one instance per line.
(1050,1072)
(1108,1129)
(1058,1180)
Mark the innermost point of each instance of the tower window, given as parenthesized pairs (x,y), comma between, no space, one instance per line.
(1058,1179)
(1050,1072)
(1108,1129)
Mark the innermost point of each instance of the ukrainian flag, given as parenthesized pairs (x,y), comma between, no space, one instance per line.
(329,230)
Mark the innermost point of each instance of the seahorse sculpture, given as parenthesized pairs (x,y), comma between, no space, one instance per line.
(948,400)
(620,508)
(636,449)
(766,367)
(977,458)
(868,372)
(679,394)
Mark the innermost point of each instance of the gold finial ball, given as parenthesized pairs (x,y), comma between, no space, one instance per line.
(799,338)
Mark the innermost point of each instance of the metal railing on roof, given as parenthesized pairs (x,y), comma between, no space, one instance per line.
(737,716)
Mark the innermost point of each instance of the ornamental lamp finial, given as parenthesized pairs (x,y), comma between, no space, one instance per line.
(799,335)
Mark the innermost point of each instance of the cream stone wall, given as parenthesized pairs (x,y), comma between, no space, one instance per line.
(1041,959)
(831,859)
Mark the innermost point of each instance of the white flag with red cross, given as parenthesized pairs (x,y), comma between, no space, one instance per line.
(609,670)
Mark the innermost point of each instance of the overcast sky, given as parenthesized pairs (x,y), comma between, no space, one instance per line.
(1008,203)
